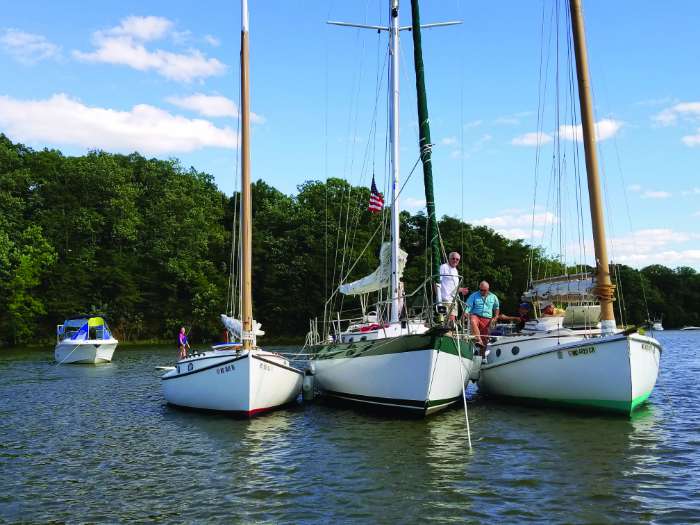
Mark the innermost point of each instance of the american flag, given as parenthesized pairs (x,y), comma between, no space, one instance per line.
(376,199)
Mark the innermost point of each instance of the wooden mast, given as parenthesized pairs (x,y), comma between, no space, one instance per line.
(604,289)
(246,193)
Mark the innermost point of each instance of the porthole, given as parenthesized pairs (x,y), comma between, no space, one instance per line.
(515,350)
(351,339)
(498,352)
(363,338)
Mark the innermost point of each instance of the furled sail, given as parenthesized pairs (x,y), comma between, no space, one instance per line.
(235,327)
(578,287)
(378,279)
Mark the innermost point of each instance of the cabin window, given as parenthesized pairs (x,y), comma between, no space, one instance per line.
(498,352)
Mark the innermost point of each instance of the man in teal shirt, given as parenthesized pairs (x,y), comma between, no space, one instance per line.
(483,309)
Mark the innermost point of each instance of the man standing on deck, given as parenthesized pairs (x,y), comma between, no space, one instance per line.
(483,309)
(449,286)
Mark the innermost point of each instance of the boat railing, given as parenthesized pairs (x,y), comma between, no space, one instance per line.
(416,307)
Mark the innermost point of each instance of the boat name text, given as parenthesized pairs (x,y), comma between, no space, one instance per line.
(225,369)
(582,351)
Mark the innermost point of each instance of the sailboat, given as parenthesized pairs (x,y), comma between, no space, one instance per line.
(388,358)
(579,359)
(237,377)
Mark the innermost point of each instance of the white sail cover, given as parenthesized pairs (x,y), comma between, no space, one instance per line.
(380,278)
(564,288)
(235,326)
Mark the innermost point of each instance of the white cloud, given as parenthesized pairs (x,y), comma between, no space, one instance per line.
(670,115)
(635,188)
(212,106)
(212,40)
(28,48)
(692,140)
(604,129)
(143,28)
(532,139)
(655,246)
(449,141)
(519,233)
(473,124)
(412,203)
(655,102)
(508,121)
(692,191)
(476,146)
(649,194)
(515,224)
(63,120)
(124,45)
(696,214)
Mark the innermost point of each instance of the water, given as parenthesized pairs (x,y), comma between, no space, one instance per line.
(98,444)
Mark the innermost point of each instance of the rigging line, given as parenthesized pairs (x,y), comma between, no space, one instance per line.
(357,260)
(461,131)
(576,152)
(629,218)
(573,87)
(358,202)
(325,158)
(462,387)
(541,105)
(355,205)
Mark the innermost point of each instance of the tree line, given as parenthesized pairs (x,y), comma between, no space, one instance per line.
(147,243)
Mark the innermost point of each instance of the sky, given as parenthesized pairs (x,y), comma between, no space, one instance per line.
(162,78)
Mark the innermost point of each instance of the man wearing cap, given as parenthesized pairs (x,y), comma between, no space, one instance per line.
(483,309)
(522,317)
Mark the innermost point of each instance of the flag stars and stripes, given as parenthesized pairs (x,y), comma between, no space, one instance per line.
(376,199)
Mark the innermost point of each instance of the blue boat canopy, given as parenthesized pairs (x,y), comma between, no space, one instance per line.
(82,328)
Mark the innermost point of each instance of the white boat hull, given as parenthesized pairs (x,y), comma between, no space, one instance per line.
(246,382)
(421,381)
(615,373)
(90,351)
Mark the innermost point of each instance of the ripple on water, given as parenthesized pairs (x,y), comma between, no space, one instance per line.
(98,444)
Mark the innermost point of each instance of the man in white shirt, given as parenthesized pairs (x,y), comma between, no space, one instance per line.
(449,285)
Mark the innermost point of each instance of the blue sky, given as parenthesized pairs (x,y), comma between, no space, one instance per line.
(162,78)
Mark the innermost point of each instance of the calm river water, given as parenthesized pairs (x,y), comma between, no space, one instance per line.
(98,444)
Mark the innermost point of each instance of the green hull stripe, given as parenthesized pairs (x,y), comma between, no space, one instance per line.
(395,345)
(400,404)
(604,405)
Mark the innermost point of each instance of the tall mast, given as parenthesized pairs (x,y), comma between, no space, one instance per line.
(246,193)
(425,144)
(604,289)
(394,116)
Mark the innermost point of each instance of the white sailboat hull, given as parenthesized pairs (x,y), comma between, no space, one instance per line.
(90,351)
(420,381)
(246,382)
(615,373)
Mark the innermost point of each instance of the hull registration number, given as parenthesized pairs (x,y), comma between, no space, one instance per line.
(582,351)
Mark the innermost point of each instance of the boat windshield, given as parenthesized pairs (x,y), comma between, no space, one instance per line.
(84,328)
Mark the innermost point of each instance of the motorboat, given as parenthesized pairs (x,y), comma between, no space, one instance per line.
(84,340)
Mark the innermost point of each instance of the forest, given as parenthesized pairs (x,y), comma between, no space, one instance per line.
(147,243)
